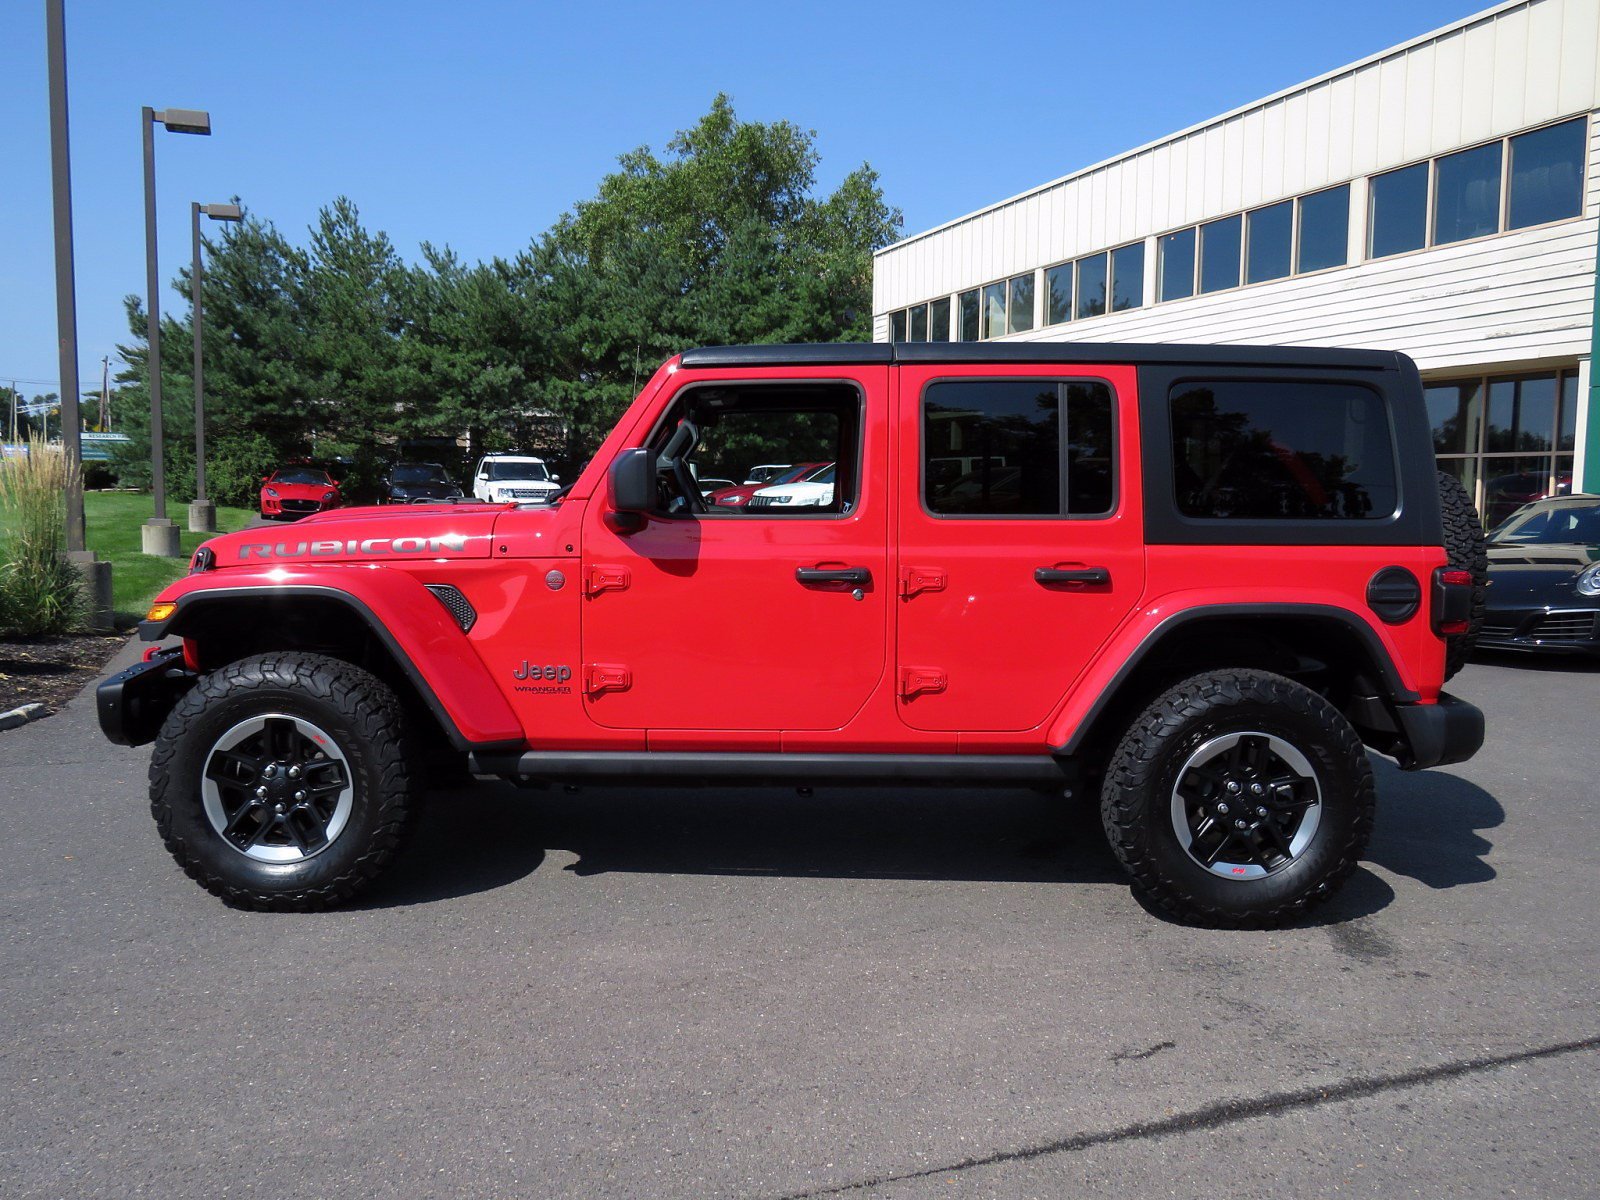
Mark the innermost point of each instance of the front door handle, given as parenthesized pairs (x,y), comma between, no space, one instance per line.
(857,576)
(1097,576)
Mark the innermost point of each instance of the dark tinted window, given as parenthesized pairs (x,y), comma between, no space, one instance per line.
(1467,195)
(919,322)
(994,310)
(1269,450)
(1455,411)
(1522,414)
(1092,286)
(1567,434)
(1177,265)
(1058,294)
(969,315)
(1271,232)
(1022,303)
(1399,218)
(939,320)
(1219,254)
(996,448)
(1324,229)
(1127,277)
(1547,174)
(897,326)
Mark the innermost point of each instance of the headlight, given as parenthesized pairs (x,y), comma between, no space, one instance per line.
(1589,580)
(783,499)
(273,492)
(327,497)
(731,500)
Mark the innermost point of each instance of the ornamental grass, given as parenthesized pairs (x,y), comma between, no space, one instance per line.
(40,591)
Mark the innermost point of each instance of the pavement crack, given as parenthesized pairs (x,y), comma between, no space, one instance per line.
(1224,1112)
(1147,1052)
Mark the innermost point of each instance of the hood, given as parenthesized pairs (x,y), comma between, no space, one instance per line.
(1536,572)
(366,535)
(302,491)
(432,489)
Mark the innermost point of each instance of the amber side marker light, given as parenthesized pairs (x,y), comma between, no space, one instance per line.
(160,612)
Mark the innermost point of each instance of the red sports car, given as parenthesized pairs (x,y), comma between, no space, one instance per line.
(738,497)
(291,492)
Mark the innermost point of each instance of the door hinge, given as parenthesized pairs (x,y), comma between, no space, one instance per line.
(921,579)
(605,579)
(916,680)
(606,677)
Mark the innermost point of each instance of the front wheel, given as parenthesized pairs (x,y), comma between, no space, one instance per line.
(1238,799)
(282,782)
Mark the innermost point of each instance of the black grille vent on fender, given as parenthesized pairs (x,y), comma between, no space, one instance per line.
(457,604)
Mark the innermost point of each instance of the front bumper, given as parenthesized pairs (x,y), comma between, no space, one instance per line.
(1543,630)
(1432,735)
(134,703)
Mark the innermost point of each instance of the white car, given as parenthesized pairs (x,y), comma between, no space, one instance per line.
(513,478)
(816,492)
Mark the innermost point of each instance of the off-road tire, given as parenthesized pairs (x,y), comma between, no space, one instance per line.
(358,711)
(1464,547)
(1136,798)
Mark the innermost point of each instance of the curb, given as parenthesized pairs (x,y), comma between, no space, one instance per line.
(22,715)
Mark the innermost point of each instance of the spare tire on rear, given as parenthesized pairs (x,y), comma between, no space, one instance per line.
(1464,547)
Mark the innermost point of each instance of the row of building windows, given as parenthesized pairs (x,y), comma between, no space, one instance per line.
(1517,182)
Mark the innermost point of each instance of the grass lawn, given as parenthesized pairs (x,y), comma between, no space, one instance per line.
(113,520)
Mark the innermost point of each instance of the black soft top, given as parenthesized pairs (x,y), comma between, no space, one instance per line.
(1138,353)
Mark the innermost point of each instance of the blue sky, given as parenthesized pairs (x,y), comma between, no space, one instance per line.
(476,124)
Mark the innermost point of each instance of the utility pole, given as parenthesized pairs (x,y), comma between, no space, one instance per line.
(105,394)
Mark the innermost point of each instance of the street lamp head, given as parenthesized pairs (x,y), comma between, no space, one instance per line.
(223,212)
(185,120)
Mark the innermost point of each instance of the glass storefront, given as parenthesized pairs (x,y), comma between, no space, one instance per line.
(1509,438)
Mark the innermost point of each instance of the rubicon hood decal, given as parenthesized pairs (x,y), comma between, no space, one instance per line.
(443,544)
(357,535)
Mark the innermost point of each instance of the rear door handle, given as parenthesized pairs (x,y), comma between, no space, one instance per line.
(1090,575)
(859,576)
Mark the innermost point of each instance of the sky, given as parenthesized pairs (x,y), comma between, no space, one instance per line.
(476,124)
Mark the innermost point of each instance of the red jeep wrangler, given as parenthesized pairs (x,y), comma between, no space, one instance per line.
(1201,580)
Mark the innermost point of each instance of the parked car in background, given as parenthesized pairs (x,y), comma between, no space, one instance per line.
(1505,494)
(1544,578)
(766,473)
(420,483)
(738,497)
(297,491)
(708,487)
(516,478)
(814,490)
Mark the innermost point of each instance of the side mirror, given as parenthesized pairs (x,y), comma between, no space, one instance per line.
(555,479)
(633,489)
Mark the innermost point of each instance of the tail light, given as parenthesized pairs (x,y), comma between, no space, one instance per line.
(1452,601)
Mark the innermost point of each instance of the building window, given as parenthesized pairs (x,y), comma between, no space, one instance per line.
(1127,277)
(1282,450)
(1509,439)
(1466,201)
(994,310)
(919,323)
(1021,303)
(1175,255)
(1219,254)
(1547,174)
(1270,238)
(1058,294)
(897,326)
(997,448)
(939,320)
(1398,217)
(1324,230)
(970,314)
(1091,286)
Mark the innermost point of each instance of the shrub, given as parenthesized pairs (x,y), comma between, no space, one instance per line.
(235,464)
(39,591)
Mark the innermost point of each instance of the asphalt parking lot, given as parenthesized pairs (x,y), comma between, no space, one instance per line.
(694,994)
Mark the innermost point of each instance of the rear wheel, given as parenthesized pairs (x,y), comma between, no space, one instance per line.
(1464,547)
(1238,799)
(281,781)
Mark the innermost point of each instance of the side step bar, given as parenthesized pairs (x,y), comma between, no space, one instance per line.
(673,766)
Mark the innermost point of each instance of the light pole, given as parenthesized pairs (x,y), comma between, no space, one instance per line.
(66,292)
(159,535)
(202,513)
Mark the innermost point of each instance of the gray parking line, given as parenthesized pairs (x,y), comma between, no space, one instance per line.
(1226,1112)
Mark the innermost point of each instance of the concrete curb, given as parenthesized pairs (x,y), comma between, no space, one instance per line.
(21,715)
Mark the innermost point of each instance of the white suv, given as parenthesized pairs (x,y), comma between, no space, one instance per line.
(518,478)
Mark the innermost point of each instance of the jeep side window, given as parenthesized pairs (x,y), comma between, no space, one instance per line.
(997,448)
(1267,450)
(744,431)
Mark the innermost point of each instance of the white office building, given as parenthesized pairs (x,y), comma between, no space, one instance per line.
(1440,198)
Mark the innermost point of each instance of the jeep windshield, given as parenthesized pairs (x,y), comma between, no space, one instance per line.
(516,469)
